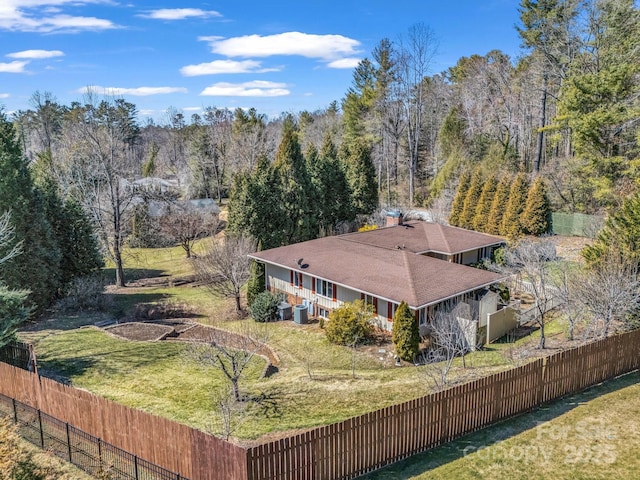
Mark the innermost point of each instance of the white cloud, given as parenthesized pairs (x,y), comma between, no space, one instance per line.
(46,16)
(136,92)
(192,109)
(225,66)
(325,47)
(13,67)
(257,88)
(344,63)
(36,54)
(179,13)
(4,95)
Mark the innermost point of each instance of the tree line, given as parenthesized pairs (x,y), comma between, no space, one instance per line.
(565,110)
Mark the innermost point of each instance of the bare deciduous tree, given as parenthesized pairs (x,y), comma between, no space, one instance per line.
(566,285)
(415,55)
(7,235)
(608,292)
(230,412)
(452,333)
(99,141)
(225,267)
(530,261)
(185,224)
(232,353)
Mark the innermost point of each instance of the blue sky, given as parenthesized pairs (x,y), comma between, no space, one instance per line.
(275,56)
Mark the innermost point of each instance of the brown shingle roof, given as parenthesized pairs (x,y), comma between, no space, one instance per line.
(385,272)
(422,237)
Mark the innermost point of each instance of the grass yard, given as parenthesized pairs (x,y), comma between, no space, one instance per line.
(591,435)
(317,383)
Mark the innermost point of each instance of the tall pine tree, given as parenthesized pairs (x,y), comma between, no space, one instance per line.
(38,268)
(483,209)
(536,217)
(511,226)
(361,176)
(498,206)
(458,200)
(471,200)
(297,193)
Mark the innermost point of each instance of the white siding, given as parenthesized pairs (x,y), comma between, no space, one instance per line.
(279,279)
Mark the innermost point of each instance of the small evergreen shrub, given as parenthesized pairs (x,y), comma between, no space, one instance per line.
(265,307)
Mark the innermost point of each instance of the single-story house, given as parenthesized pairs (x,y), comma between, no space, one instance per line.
(423,264)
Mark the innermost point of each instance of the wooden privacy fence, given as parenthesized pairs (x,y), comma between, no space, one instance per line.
(362,444)
(91,454)
(342,450)
(173,446)
(18,354)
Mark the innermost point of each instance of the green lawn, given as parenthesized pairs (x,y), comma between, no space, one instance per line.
(317,383)
(591,435)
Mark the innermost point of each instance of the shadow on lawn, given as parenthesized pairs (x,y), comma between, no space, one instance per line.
(132,274)
(108,362)
(424,462)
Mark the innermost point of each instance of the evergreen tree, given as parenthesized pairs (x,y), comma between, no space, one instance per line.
(451,140)
(333,195)
(255,206)
(38,269)
(471,200)
(498,206)
(483,209)
(256,283)
(299,222)
(511,226)
(535,218)
(458,200)
(406,333)
(620,235)
(361,176)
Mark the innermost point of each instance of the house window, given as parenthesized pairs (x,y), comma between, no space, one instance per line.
(422,317)
(323,312)
(391,310)
(297,279)
(370,300)
(324,288)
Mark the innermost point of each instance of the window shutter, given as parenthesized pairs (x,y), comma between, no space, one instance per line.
(313,285)
(375,305)
(290,277)
(389,311)
(361,296)
(299,280)
(335,292)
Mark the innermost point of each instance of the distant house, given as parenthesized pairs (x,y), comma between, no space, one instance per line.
(423,264)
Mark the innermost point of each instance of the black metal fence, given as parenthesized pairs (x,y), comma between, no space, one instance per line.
(87,452)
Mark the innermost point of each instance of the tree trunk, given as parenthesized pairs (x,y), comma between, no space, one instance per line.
(543,120)
(542,337)
(238,305)
(117,258)
(236,389)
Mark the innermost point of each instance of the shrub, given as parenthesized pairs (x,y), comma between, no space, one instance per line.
(86,294)
(265,307)
(350,323)
(256,283)
(406,333)
(16,462)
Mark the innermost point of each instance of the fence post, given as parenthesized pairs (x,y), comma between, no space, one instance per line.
(41,429)
(69,442)
(100,451)
(15,411)
(135,464)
